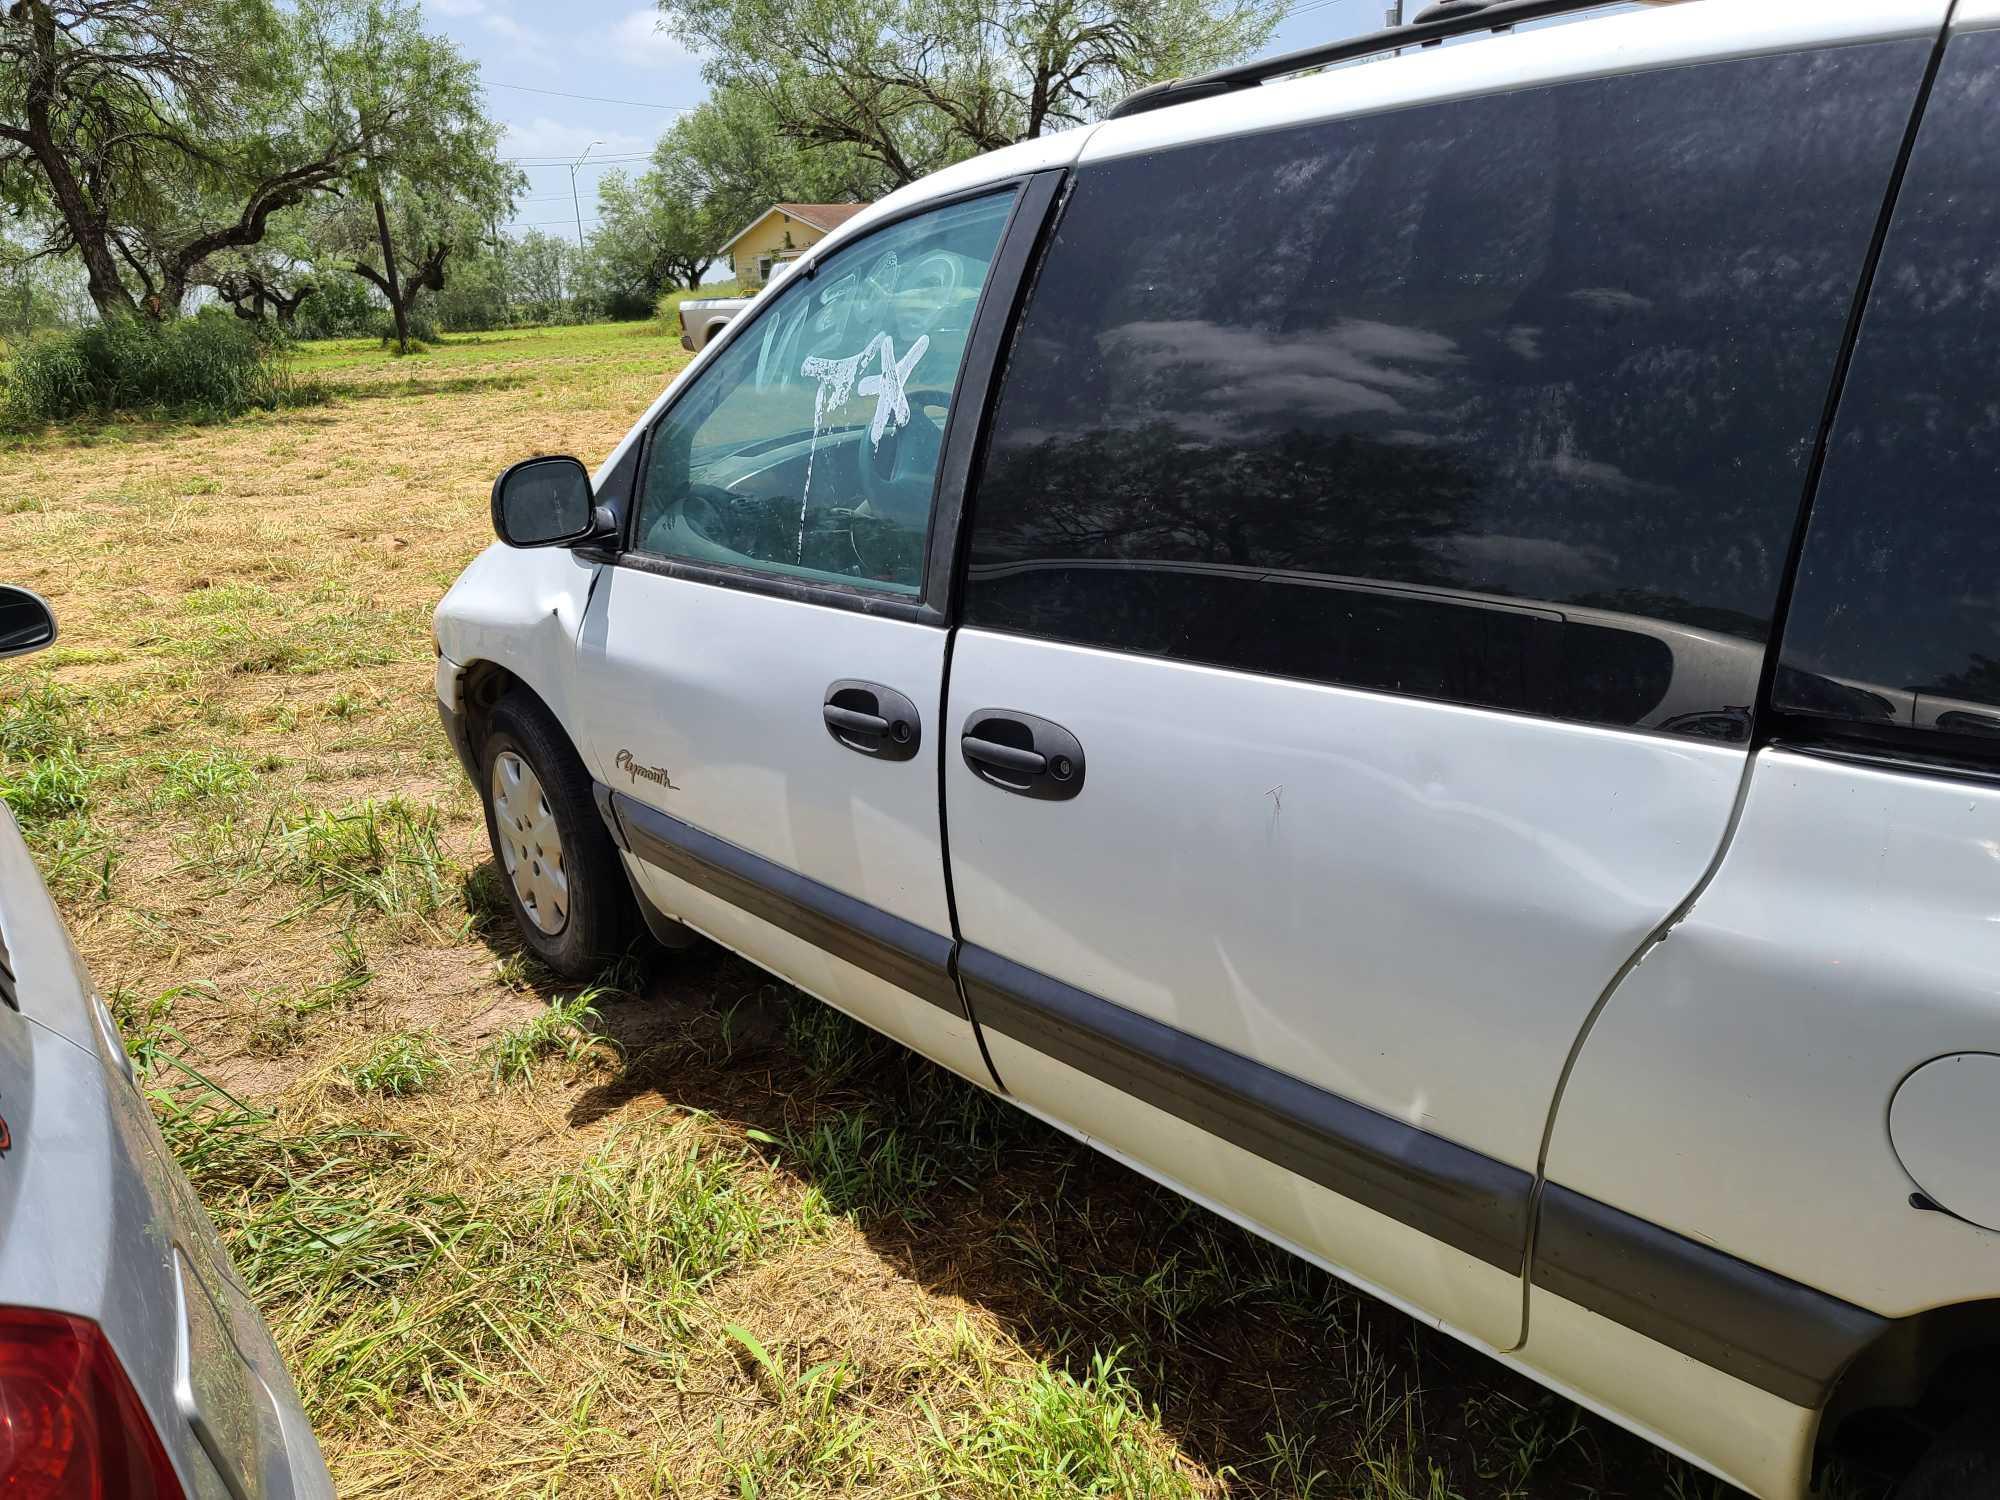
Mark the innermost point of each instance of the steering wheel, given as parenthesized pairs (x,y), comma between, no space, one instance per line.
(933,271)
(872,293)
(886,459)
(705,510)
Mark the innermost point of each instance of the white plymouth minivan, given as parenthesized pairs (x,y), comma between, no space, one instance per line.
(1413,651)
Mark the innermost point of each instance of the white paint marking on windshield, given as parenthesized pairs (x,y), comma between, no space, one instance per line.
(891,404)
(837,383)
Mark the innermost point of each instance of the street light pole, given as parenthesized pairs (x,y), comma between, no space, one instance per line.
(574,202)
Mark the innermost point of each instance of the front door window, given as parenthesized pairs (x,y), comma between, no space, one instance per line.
(810,448)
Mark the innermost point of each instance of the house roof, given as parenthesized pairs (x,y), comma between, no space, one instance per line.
(825,217)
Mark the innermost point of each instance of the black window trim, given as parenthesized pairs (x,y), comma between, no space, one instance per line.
(1033,194)
(1499,603)
(1899,749)
(1908,749)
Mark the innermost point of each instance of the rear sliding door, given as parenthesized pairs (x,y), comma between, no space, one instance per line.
(1368,585)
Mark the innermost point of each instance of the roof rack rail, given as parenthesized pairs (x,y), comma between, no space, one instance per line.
(1446,18)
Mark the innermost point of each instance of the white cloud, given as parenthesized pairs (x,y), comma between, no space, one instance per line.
(636,38)
(546,137)
(493,19)
(510,30)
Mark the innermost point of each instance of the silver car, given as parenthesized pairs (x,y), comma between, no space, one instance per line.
(133,1363)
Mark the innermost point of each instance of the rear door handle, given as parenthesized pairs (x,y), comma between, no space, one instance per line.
(1023,754)
(1004,757)
(871,719)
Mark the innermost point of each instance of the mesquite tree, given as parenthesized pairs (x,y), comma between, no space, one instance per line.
(434,193)
(716,169)
(155,138)
(917,84)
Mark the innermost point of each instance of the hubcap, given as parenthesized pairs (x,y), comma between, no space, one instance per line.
(530,847)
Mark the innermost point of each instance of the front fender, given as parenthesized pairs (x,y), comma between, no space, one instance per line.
(521,610)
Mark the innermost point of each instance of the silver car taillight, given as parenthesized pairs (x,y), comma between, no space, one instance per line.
(71,1426)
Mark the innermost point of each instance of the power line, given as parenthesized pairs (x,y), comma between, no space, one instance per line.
(563,161)
(1307,6)
(679,109)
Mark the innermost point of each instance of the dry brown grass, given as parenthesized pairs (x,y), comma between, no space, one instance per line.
(636,1273)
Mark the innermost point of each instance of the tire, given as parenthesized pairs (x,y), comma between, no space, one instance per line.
(1962,1464)
(571,901)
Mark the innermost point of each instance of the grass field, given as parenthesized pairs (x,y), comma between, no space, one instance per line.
(679,1233)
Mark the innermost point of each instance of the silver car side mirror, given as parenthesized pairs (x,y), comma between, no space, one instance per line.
(543,502)
(26,621)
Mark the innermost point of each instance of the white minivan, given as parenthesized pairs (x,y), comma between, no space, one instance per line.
(1412,651)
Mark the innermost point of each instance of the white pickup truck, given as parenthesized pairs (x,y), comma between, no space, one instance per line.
(703,317)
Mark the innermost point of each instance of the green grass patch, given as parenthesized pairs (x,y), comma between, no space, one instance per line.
(51,789)
(40,720)
(674,1219)
(817,1431)
(863,1167)
(407,1063)
(46,788)
(198,776)
(834,1046)
(393,1276)
(384,857)
(1054,1436)
(564,1032)
(233,636)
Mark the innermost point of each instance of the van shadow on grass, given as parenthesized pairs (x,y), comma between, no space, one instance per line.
(1260,1366)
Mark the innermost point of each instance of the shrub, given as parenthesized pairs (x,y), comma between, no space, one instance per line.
(474,296)
(621,306)
(206,368)
(545,312)
(342,306)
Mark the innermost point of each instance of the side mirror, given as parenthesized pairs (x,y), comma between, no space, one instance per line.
(543,502)
(26,621)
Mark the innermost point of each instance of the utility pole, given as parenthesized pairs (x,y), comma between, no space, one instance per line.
(573,200)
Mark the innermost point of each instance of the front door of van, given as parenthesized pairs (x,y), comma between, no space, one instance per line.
(1369,573)
(765,662)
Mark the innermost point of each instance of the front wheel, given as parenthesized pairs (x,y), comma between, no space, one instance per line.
(571,902)
(1962,1464)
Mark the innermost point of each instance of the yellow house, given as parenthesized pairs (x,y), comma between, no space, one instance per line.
(779,234)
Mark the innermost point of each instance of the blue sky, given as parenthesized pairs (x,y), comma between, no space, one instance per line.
(611,49)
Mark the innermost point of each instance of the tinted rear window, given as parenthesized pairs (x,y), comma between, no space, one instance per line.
(1504,401)
(1895,619)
